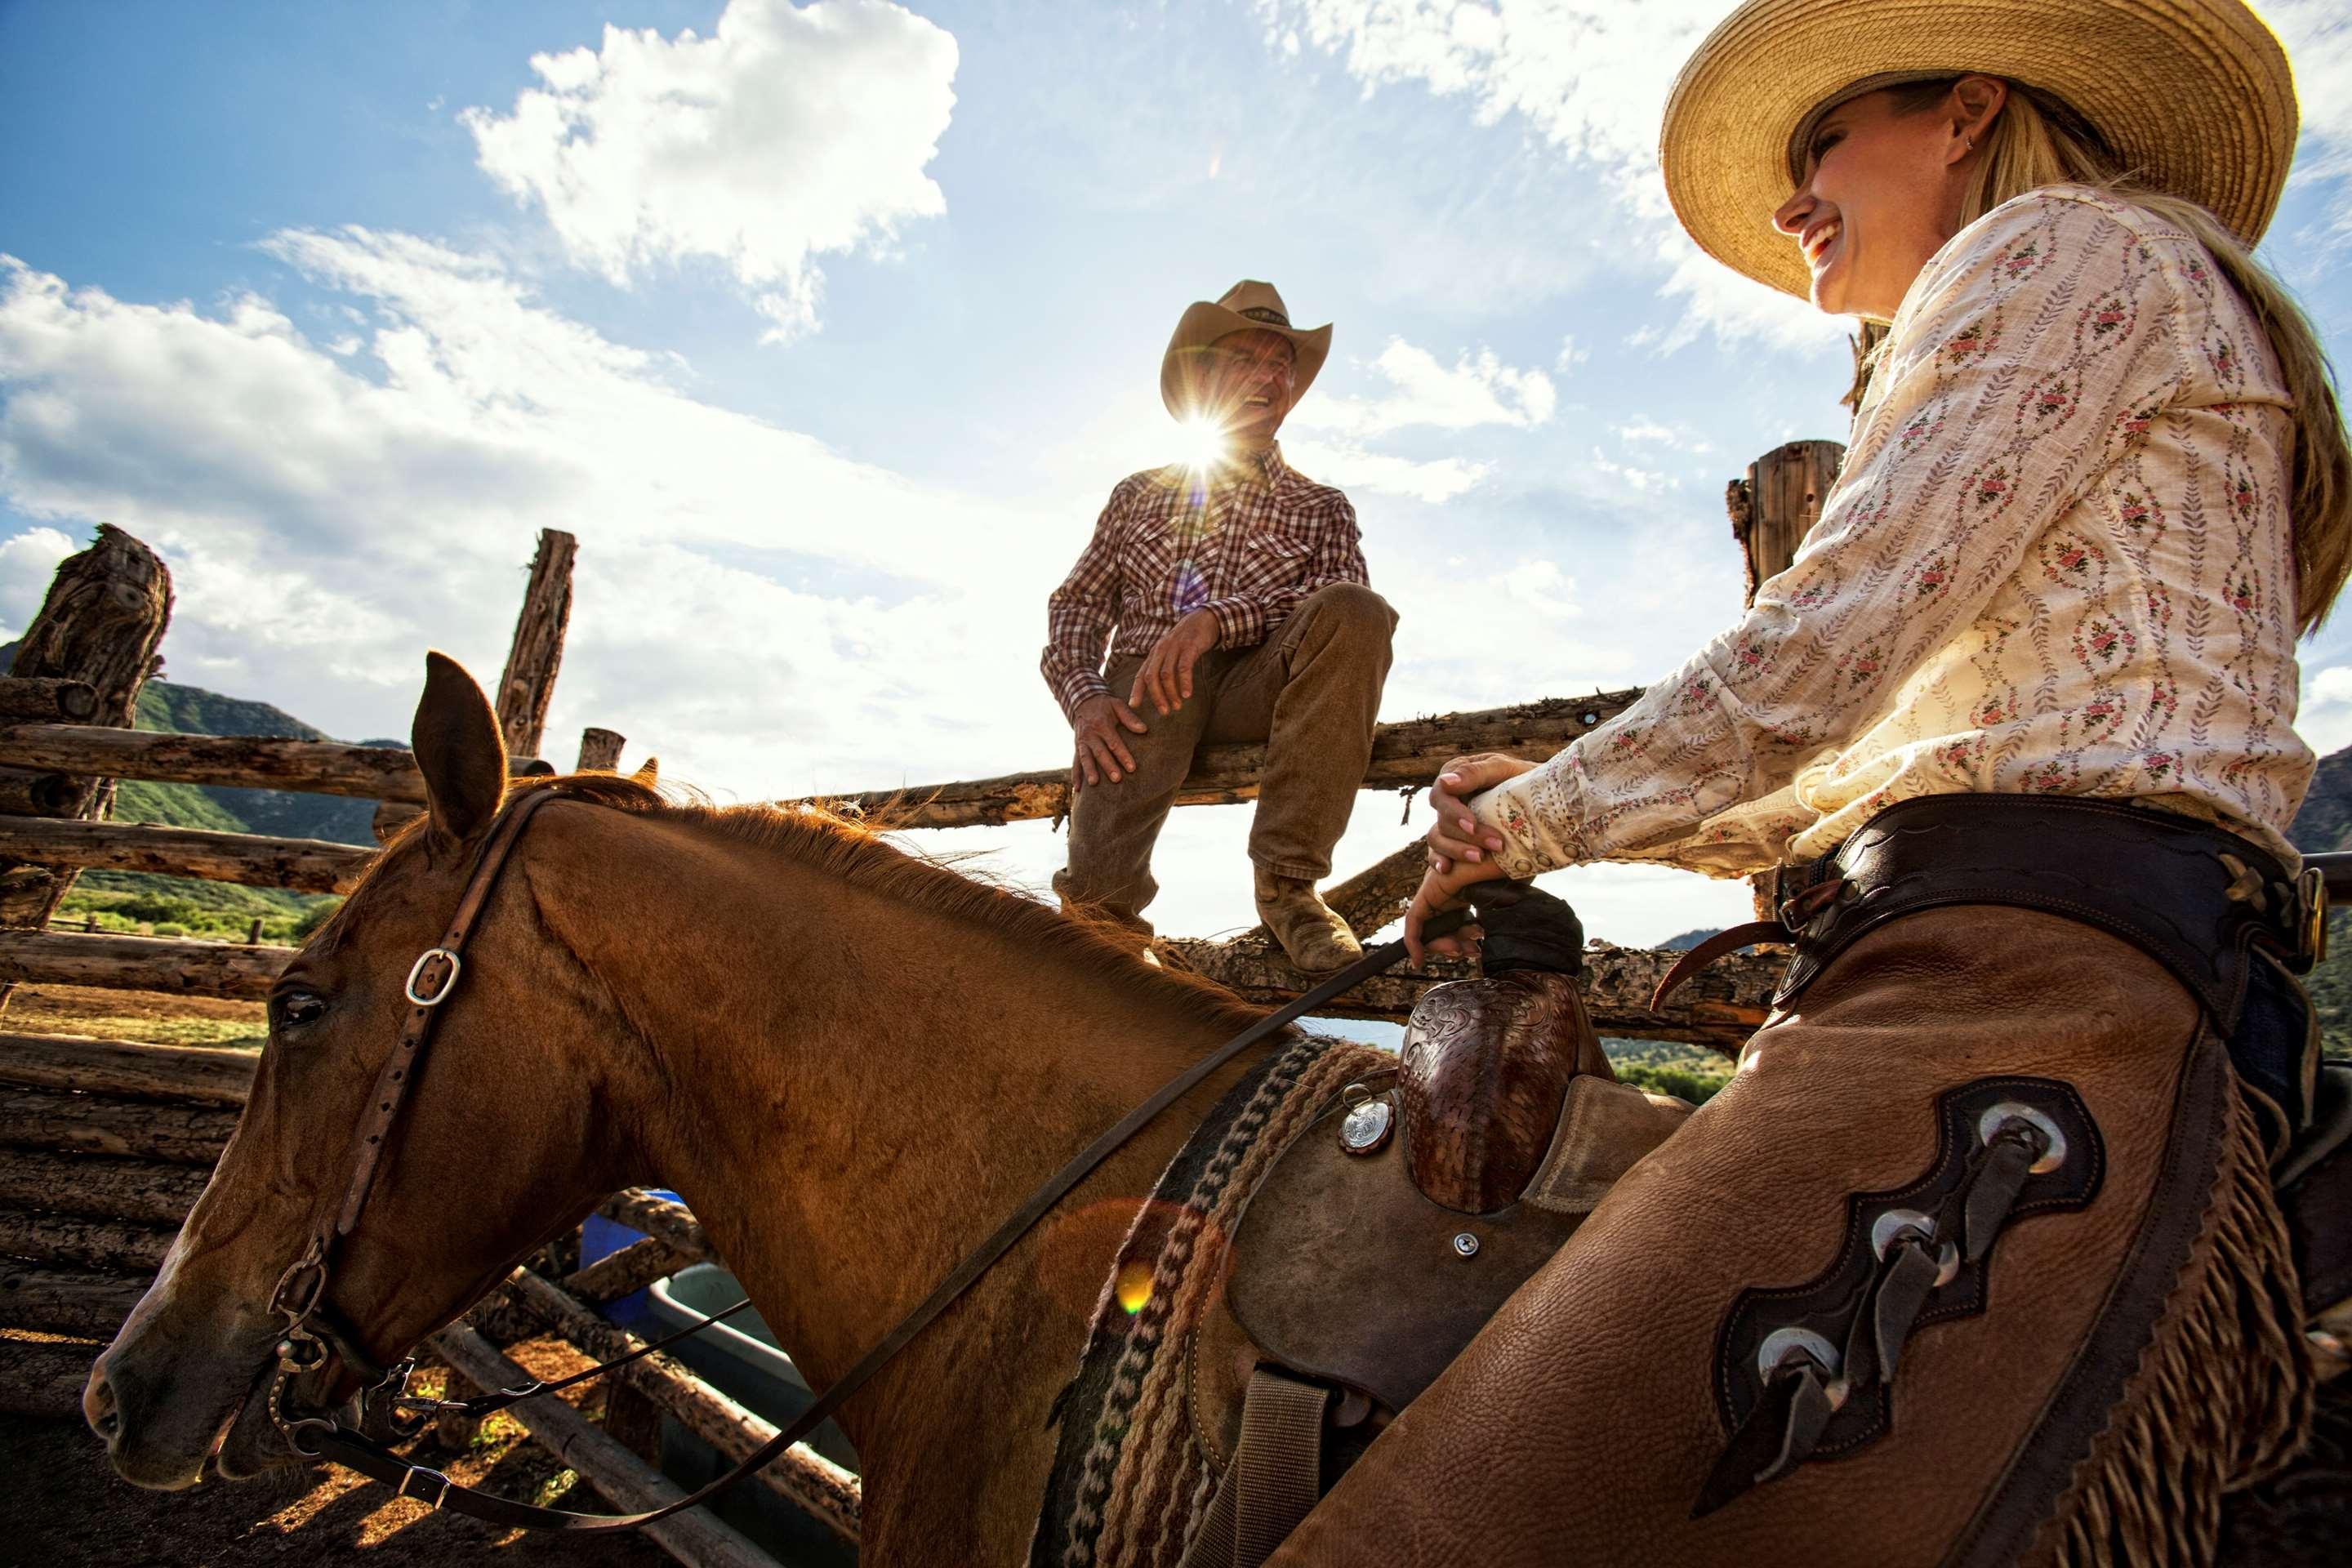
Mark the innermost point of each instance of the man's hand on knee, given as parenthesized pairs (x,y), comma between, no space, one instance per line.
(1166,674)
(1102,750)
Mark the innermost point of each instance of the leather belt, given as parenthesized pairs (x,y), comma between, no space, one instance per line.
(2195,898)
(2218,910)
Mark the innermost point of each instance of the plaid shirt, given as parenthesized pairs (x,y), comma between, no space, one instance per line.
(1247,545)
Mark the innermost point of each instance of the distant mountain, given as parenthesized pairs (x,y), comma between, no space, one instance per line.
(135,899)
(1690,939)
(276,813)
(2324,824)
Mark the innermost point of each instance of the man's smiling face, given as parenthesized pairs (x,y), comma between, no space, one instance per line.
(1249,380)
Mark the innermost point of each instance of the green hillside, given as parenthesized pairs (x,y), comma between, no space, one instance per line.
(2324,824)
(171,906)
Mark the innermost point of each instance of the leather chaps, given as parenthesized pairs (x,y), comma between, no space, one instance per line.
(2086,1366)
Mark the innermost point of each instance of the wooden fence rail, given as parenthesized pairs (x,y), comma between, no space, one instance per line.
(297,865)
(141,963)
(1404,756)
(241,761)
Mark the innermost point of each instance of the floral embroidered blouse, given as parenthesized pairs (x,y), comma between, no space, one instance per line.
(2058,560)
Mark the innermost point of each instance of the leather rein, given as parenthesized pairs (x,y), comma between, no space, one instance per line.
(315,1331)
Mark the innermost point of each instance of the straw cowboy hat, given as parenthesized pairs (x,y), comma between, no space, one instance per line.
(1249,305)
(2194,97)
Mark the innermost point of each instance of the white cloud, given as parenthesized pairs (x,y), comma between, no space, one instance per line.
(1479,390)
(1591,77)
(28,562)
(1571,354)
(1641,480)
(2324,719)
(790,133)
(327,518)
(2318,40)
(1351,467)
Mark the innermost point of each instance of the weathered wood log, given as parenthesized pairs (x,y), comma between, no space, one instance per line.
(1256,971)
(242,762)
(801,1476)
(667,1218)
(1404,756)
(696,1537)
(1719,1007)
(1377,895)
(86,1123)
(632,1269)
(38,699)
(80,1243)
(528,686)
(299,865)
(633,1421)
(100,1186)
(1373,897)
(44,1377)
(1779,501)
(26,794)
(24,893)
(600,751)
(67,1300)
(1771,511)
(211,1075)
(98,628)
(141,963)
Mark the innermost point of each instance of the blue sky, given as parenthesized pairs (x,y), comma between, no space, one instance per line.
(827,328)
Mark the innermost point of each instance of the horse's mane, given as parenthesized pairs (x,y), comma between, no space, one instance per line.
(855,852)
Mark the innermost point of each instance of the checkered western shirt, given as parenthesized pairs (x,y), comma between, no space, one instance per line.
(1246,543)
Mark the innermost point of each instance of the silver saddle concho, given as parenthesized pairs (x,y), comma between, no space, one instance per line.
(1386,1235)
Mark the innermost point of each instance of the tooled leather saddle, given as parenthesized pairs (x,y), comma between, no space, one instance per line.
(1397,1223)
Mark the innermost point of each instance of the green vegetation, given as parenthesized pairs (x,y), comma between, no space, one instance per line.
(134,901)
(2324,824)
(1668,1066)
(174,906)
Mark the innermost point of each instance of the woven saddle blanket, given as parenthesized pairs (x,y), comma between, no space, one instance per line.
(1130,1485)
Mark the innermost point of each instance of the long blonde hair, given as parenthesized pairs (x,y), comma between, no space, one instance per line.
(2038,140)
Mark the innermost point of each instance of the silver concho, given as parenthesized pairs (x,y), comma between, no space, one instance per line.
(1366,1127)
(2054,1152)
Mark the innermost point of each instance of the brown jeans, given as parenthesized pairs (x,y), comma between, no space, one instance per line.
(2133,1360)
(1311,691)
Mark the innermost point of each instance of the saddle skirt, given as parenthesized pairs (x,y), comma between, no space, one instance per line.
(1345,1217)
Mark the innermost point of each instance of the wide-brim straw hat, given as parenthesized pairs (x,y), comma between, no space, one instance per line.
(1247,306)
(2194,97)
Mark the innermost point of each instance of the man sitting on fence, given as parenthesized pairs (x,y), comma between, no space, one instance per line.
(1233,594)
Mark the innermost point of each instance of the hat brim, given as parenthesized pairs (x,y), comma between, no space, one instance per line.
(2195,97)
(1203,322)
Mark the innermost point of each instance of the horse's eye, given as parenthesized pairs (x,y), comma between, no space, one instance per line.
(292,1009)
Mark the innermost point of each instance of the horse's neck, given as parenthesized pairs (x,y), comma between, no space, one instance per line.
(856,1099)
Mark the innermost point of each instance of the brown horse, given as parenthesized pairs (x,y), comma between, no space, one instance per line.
(851,1062)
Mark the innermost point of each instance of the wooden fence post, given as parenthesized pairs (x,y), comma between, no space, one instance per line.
(600,751)
(528,684)
(99,626)
(1771,509)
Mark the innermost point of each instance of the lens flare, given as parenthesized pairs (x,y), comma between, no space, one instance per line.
(1202,443)
(1134,1285)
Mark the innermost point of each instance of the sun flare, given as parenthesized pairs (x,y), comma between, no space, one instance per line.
(1202,443)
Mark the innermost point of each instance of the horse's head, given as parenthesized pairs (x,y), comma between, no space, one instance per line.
(498,1146)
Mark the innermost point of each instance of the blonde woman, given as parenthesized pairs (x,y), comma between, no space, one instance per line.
(1979,1257)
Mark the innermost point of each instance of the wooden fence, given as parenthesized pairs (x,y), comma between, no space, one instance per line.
(104,1144)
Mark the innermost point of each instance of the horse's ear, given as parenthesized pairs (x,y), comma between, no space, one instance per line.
(458,749)
(648,772)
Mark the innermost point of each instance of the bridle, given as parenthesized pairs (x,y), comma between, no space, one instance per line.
(315,1331)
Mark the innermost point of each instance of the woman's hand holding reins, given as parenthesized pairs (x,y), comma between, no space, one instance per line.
(1457,835)
(1460,848)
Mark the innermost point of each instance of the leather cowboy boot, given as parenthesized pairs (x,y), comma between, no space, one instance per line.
(1315,937)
